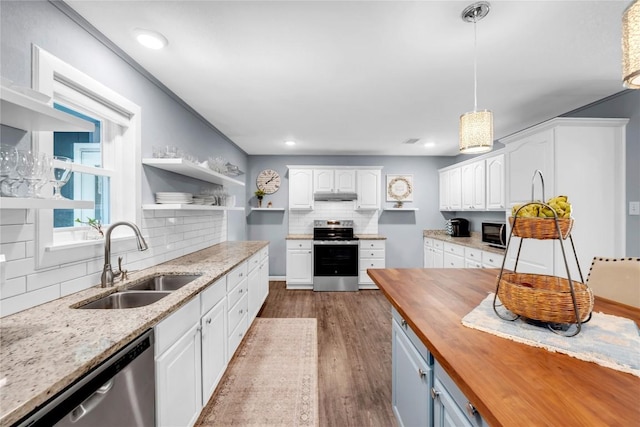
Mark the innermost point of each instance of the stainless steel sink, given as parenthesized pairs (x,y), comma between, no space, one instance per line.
(165,282)
(129,299)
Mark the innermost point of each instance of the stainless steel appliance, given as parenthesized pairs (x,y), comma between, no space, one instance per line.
(495,234)
(119,392)
(458,227)
(335,256)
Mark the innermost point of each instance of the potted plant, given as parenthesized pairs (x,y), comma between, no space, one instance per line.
(259,195)
(93,223)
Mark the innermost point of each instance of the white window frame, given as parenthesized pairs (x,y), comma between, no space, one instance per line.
(67,85)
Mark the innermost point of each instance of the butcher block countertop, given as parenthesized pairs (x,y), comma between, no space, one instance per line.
(46,348)
(511,384)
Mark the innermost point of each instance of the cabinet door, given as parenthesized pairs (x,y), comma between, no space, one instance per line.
(455,189)
(438,259)
(427,253)
(300,189)
(264,279)
(300,266)
(411,382)
(495,182)
(444,190)
(214,348)
(179,381)
(446,412)
(453,261)
(323,180)
(478,189)
(524,157)
(345,181)
(368,183)
(255,293)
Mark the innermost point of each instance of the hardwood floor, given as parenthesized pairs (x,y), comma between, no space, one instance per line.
(354,351)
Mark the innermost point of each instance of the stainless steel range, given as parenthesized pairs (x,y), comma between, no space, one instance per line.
(335,256)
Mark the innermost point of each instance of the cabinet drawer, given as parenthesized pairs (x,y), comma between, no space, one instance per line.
(364,278)
(422,349)
(438,244)
(472,254)
(372,253)
(238,292)
(264,252)
(492,260)
(236,275)
(453,261)
(472,264)
(299,244)
(456,394)
(212,295)
(237,312)
(428,243)
(253,262)
(371,244)
(236,336)
(176,325)
(451,248)
(372,263)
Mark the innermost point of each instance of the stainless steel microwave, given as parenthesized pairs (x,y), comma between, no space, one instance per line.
(495,234)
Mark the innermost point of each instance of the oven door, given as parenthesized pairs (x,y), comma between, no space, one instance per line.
(335,266)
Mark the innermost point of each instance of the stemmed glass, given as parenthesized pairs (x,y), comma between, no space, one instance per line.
(31,166)
(60,174)
(8,162)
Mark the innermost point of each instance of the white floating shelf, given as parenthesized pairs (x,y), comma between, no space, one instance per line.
(268,209)
(23,203)
(23,112)
(401,209)
(189,207)
(192,170)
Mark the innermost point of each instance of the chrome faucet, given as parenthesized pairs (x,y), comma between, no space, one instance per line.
(108,274)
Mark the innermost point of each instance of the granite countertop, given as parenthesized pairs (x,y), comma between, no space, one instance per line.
(359,236)
(46,348)
(474,241)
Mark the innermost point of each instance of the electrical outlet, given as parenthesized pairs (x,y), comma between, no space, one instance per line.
(634,208)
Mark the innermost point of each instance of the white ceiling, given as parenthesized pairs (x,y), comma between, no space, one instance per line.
(361,77)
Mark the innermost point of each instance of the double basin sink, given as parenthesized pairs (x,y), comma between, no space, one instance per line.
(142,293)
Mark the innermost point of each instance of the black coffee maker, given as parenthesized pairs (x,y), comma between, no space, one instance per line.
(458,227)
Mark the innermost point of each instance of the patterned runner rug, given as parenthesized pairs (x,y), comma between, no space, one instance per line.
(272,380)
(607,340)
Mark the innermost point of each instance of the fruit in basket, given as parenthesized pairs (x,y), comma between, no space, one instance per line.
(559,204)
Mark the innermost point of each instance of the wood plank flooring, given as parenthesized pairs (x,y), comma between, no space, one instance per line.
(354,351)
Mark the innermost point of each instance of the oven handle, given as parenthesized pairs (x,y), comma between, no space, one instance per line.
(335,242)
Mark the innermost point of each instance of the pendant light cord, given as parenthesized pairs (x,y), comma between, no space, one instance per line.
(475,64)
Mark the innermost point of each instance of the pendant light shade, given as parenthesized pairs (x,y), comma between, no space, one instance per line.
(476,127)
(631,46)
(476,132)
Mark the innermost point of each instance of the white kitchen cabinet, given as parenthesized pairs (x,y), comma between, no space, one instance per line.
(495,187)
(334,180)
(299,269)
(472,257)
(427,252)
(255,291)
(451,190)
(214,347)
(580,158)
(368,189)
(453,256)
(372,255)
(301,189)
(438,254)
(491,260)
(473,186)
(238,305)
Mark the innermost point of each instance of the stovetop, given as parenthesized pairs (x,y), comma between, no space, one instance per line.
(334,230)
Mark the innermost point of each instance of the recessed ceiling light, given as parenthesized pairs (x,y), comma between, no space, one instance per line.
(290,143)
(429,144)
(150,39)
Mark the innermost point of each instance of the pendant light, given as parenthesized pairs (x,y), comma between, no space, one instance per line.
(476,127)
(631,46)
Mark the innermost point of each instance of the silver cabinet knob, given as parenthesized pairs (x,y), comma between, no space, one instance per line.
(209,321)
(240,290)
(241,310)
(434,393)
(421,373)
(471,410)
(404,323)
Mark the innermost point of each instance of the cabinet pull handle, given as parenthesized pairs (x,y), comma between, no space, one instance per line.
(471,410)
(241,274)
(404,323)
(434,393)
(240,291)
(241,311)
(209,320)
(421,373)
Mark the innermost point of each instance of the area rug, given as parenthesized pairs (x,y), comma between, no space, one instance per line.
(607,340)
(272,380)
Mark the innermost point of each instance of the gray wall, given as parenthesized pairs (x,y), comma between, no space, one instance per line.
(164,121)
(402,229)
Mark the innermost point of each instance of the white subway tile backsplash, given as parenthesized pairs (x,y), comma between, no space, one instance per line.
(14,251)
(18,267)
(16,233)
(56,275)
(12,287)
(79,284)
(30,299)
(12,216)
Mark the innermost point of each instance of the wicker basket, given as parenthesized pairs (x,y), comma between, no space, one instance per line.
(541,228)
(544,298)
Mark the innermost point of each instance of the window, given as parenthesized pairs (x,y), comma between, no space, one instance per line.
(106,162)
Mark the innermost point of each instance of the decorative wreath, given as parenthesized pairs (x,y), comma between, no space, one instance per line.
(402,196)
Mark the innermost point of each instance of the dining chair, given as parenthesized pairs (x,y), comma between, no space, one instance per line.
(616,279)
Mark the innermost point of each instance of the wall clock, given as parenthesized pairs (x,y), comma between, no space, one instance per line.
(268,181)
(400,188)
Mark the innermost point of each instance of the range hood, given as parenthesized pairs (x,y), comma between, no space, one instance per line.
(334,197)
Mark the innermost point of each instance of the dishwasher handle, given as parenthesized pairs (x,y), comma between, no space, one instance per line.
(91,402)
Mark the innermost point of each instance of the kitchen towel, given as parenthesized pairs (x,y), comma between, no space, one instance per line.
(607,340)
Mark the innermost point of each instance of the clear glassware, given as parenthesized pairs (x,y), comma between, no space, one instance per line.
(60,174)
(29,169)
(45,174)
(8,163)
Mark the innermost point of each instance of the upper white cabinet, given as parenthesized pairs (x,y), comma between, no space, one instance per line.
(451,190)
(300,189)
(583,159)
(334,180)
(23,112)
(495,182)
(368,186)
(473,186)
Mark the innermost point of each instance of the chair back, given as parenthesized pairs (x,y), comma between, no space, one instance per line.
(616,279)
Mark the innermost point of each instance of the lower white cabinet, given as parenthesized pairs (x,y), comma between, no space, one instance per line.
(299,269)
(491,260)
(433,255)
(450,407)
(372,255)
(453,256)
(258,282)
(439,254)
(214,348)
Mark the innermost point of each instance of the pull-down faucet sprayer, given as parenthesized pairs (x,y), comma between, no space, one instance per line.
(108,274)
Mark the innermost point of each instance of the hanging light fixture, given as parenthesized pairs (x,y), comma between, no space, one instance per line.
(476,127)
(631,46)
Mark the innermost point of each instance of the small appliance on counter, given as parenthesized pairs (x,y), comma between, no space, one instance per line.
(495,234)
(457,227)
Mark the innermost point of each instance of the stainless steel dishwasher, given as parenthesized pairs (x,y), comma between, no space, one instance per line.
(119,392)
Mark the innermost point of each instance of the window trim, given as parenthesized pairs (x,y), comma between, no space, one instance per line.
(56,78)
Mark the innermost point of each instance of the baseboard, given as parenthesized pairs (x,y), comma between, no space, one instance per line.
(277,278)
(364,286)
(299,287)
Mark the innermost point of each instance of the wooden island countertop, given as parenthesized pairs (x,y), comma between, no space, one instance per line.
(510,384)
